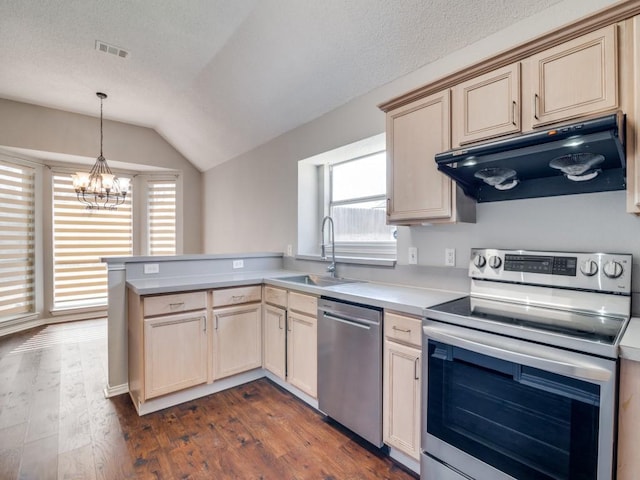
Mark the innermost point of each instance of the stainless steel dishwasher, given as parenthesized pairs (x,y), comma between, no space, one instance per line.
(350,366)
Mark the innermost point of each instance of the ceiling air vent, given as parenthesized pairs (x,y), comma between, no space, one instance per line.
(111,49)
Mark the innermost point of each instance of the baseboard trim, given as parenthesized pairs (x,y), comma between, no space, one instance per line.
(166,401)
(405,460)
(313,402)
(116,390)
(18,326)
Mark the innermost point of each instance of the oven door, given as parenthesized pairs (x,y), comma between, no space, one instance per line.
(501,408)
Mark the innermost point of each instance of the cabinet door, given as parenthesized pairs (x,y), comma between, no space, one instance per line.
(237,339)
(274,348)
(401,385)
(175,352)
(487,106)
(415,133)
(576,78)
(302,352)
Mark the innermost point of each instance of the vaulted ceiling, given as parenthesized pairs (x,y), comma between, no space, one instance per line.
(217,78)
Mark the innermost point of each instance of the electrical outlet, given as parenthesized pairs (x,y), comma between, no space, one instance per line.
(151,268)
(289,250)
(413,255)
(450,257)
(238,264)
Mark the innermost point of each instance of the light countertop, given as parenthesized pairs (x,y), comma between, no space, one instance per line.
(409,300)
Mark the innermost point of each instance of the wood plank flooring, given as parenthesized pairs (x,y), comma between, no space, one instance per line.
(56,424)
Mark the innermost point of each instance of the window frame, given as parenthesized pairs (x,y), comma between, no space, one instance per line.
(314,200)
(356,249)
(43,234)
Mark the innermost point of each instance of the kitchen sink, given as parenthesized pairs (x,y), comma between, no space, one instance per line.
(317,280)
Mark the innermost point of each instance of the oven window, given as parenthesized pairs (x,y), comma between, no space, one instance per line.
(528,423)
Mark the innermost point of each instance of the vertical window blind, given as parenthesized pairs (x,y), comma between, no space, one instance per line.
(80,238)
(17,239)
(161,204)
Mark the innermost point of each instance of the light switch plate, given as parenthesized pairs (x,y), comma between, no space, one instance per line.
(238,264)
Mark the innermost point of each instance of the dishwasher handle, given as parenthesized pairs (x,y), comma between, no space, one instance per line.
(355,322)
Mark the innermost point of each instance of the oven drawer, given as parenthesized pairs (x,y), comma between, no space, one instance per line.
(432,469)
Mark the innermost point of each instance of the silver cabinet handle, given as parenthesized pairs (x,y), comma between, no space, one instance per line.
(173,306)
(237,298)
(513,113)
(516,351)
(416,368)
(280,321)
(536,101)
(216,322)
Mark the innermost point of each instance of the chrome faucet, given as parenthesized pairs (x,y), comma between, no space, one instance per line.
(323,246)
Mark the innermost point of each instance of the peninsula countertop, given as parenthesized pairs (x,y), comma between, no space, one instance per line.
(405,299)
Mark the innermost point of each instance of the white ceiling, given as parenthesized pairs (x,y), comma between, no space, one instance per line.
(217,78)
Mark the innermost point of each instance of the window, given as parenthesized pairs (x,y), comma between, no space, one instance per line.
(357,200)
(17,239)
(161,215)
(80,238)
(349,184)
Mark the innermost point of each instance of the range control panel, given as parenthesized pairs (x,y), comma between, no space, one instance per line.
(594,271)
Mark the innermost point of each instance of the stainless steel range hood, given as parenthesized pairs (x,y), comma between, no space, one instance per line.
(573,158)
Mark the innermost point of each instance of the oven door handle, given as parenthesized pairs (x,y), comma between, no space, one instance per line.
(515,351)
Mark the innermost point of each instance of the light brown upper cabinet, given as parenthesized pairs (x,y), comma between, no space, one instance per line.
(416,191)
(487,106)
(574,79)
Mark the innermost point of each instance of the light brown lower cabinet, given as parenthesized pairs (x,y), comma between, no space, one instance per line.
(275,340)
(629,420)
(175,352)
(168,343)
(401,383)
(237,339)
(302,352)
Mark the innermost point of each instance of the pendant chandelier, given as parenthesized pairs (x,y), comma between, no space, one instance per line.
(100,189)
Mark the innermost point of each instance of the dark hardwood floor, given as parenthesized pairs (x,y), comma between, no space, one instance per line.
(56,423)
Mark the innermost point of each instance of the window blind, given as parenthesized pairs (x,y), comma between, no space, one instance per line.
(161,204)
(80,238)
(17,239)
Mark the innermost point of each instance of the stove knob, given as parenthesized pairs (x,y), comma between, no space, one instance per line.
(495,262)
(589,268)
(613,269)
(479,261)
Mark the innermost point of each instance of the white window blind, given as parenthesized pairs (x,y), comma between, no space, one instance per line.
(161,204)
(80,238)
(17,239)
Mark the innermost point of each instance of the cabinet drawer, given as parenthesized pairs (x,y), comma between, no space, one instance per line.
(403,329)
(275,296)
(303,303)
(178,302)
(233,296)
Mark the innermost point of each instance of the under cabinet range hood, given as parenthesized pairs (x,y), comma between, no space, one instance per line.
(582,157)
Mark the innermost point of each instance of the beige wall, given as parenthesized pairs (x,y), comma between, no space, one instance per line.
(251,201)
(50,131)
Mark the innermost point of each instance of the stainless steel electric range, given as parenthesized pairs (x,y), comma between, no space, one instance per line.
(520,377)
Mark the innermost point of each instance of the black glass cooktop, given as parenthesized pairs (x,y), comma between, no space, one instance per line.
(595,328)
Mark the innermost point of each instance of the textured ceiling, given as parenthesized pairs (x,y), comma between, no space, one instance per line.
(217,78)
